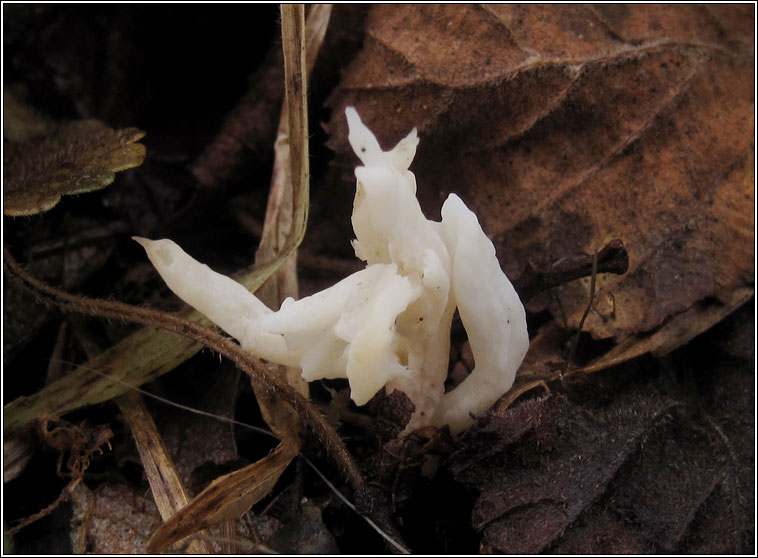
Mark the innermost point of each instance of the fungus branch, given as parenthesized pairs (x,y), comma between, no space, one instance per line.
(387,325)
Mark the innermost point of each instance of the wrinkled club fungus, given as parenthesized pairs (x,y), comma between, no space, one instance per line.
(387,325)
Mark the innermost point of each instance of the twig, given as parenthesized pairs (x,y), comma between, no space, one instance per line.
(536,277)
(232,421)
(250,365)
(584,316)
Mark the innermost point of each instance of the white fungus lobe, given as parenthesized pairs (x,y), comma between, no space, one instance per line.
(387,325)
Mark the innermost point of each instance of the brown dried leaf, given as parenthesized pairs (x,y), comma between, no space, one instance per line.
(543,465)
(227,497)
(678,330)
(564,126)
(545,362)
(650,466)
(78,157)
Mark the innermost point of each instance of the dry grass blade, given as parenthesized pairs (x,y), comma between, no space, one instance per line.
(290,174)
(293,32)
(207,337)
(281,207)
(18,450)
(167,488)
(139,358)
(149,353)
(226,497)
(295,75)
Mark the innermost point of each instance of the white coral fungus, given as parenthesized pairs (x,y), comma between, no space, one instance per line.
(387,325)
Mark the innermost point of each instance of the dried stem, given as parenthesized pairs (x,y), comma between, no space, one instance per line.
(250,365)
(536,277)
(584,316)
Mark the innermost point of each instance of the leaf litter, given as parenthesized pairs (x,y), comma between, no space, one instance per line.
(626,122)
(600,97)
(76,158)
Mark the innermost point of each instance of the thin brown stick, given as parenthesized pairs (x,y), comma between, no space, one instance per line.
(536,277)
(246,362)
(584,316)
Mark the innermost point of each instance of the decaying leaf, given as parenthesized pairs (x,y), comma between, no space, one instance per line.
(566,126)
(78,157)
(525,508)
(643,467)
(545,361)
(227,497)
